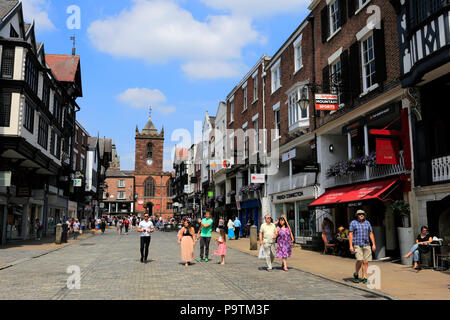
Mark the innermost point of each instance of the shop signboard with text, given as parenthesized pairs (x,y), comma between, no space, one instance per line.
(387,151)
(327,102)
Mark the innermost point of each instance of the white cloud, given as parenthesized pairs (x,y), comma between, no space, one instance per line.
(161,31)
(258,8)
(213,69)
(37,10)
(144,98)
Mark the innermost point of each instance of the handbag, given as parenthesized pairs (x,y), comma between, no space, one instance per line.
(261,255)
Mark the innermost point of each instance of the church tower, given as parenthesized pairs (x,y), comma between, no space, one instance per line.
(153,185)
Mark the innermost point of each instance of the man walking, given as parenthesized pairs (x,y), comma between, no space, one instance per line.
(360,232)
(76,229)
(237,228)
(267,241)
(205,236)
(146,228)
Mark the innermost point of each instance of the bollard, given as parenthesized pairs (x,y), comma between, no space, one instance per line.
(58,233)
(253,238)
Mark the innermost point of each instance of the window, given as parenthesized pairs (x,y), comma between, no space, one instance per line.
(13,33)
(149,188)
(57,109)
(121,195)
(256,142)
(5,109)
(46,93)
(295,112)
(81,164)
(58,147)
(8,54)
(255,88)
(31,74)
(29,117)
(74,161)
(121,183)
(298,57)
(169,188)
(169,206)
(43,133)
(334,17)
(276,77)
(368,62)
(150,151)
(245,98)
(52,142)
(336,78)
(231,111)
(277,121)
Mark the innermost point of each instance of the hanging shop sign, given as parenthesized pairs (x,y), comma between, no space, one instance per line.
(387,151)
(77,182)
(141,202)
(210,194)
(258,178)
(326,102)
(289,155)
(187,188)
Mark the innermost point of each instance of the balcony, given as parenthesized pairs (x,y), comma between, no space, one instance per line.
(441,169)
(371,173)
(301,180)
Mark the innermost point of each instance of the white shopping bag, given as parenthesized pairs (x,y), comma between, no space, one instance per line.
(261,253)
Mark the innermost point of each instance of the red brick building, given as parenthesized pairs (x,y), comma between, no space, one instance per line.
(152,184)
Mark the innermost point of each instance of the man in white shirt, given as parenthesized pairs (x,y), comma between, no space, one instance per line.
(267,240)
(146,228)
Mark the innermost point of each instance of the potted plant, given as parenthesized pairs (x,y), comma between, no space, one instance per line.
(405,233)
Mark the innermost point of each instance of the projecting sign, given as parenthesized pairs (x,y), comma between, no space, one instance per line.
(258,178)
(290,155)
(327,102)
(187,188)
(210,194)
(77,182)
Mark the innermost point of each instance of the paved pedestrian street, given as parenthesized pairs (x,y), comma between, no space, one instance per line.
(111,270)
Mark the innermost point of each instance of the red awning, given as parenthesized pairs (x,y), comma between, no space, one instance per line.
(360,192)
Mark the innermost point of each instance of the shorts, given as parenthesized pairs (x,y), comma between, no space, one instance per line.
(363,253)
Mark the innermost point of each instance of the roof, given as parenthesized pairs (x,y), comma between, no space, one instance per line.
(6,6)
(181,154)
(64,67)
(92,142)
(110,173)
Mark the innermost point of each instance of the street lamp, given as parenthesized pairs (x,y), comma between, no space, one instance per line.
(303,100)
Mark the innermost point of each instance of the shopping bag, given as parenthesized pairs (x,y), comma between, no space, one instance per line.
(261,253)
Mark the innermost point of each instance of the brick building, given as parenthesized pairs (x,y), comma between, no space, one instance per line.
(119,191)
(152,184)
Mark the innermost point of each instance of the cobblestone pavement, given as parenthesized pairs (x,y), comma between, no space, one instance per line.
(110,270)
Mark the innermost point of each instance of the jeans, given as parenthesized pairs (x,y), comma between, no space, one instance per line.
(415,251)
(269,252)
(204,247)
(145,243)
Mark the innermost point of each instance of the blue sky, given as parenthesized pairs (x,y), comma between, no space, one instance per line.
(180,56)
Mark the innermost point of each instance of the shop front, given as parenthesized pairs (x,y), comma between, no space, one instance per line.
(375,198)
(57,212)
(16,227)
(250,211)
(294,205)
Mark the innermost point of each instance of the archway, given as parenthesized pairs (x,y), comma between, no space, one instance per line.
(149,208)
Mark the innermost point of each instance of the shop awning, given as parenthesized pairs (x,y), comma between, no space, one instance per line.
(360,192)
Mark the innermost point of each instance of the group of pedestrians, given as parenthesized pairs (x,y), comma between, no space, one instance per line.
(127,223)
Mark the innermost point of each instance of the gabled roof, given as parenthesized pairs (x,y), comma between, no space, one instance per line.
(64,67)
(6,6)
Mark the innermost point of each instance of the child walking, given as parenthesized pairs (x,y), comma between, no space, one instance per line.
(222,241)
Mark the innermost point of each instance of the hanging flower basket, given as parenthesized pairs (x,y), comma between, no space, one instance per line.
(348,167)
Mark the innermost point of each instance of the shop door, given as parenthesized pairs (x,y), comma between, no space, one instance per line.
(290,215)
